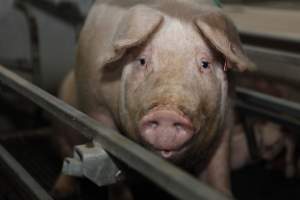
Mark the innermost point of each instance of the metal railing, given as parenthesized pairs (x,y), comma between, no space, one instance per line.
(276,109)
(269,40)
(252,105)
(167,176)
(164,174)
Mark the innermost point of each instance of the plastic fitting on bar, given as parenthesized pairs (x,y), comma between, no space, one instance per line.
(91,161)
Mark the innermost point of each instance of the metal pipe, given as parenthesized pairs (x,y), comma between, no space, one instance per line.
(164,174)
(270,40)
(269,102)
(280,118)
(34,41)
(23,176)
(248,125)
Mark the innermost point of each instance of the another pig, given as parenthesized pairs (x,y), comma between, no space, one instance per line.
(156,71)
(271,141)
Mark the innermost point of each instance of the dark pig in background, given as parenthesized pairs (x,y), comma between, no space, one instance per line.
(271,140)
(156,71)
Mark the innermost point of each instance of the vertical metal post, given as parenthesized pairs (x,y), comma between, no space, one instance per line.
(34,41)
(251,139)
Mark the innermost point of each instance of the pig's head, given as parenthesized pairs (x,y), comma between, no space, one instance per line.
(271,139)
(174,89)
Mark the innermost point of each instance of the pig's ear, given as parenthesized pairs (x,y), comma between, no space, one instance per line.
(222,34)
(136,27)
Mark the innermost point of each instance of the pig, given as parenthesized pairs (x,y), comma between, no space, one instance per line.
(271,141)
(156,71)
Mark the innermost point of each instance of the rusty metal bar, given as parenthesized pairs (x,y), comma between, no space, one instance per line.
(170,178)
(23,176)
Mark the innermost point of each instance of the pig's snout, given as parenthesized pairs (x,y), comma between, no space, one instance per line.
(166,131)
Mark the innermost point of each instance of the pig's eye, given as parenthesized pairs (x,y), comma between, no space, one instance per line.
(142,61)
(205,64)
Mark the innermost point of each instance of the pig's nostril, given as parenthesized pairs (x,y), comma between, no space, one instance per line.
(178,126)
(153,124)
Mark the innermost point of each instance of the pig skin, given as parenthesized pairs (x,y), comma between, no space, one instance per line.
(136,58)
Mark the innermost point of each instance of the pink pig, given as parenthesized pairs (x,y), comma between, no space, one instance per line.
(271,141)
(155,70)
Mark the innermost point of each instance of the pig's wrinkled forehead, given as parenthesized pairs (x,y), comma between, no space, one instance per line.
(175,35)
(180,24)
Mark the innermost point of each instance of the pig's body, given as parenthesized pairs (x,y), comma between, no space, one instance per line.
(154,70)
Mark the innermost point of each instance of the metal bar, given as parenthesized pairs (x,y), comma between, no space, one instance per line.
(248,109)
(167,176)
(69,13)
(269,102)
(282,65)
(258,104)
(66,12)
(27,180)
(34,41)
(270,40)
(248,125)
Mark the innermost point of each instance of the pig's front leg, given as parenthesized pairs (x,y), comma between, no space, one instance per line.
(217,173)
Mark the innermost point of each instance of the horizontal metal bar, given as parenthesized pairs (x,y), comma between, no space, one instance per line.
(70,14)
(270,62)
(23,176)
(270,40)
(172,179)
(254,111)
(269,102)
